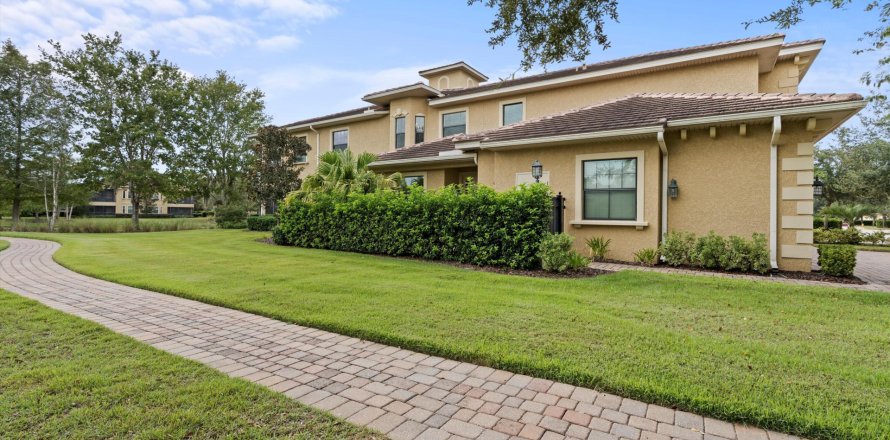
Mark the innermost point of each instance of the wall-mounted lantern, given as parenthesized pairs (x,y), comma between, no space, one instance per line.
(537,170)
(818,188)
(673,189)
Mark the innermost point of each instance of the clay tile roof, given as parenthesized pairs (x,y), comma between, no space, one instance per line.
(636,59)
(423,149)
(355,111)
(802,43)
(634,111)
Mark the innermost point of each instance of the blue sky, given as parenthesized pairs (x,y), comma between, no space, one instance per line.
(318,57)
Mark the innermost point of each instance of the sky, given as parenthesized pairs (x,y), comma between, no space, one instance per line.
(315,57)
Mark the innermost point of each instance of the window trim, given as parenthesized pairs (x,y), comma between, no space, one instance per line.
(640,156)
(336,130)
(508,102)
(419,115)
(306,139)
(442,114)
(395,131)
(421,174)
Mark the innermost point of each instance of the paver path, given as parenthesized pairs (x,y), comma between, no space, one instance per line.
(873,267)
(399,392)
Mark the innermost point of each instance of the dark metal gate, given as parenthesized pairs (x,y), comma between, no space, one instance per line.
(557,217)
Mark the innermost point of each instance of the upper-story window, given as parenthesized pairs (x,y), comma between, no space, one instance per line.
(419,127)
(454,123)
(302,158)
(340,140)
(511,113)
(400,132)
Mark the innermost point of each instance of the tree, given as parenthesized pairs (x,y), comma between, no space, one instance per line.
(57,159)
(274,168)
(132,108)
(223,115)
(26,89)
(344,172)
(550,31)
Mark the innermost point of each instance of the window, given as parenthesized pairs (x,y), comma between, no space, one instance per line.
(126,194)
(511,113)
(419,127)
(400,132)
(413,180)
(302,158)
(454,123)
(610,189)
(340,139)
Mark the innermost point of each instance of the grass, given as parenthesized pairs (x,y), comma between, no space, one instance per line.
(3,244)
(111,225)
(64,377)
(804,360)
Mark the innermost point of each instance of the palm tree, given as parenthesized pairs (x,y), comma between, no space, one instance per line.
(848,213)
(343,172)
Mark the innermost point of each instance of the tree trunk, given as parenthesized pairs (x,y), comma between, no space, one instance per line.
(46,205)
(56,173)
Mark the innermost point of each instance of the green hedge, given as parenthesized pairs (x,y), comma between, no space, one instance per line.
(837,260)
(261,222)
(837,236)
(469,224)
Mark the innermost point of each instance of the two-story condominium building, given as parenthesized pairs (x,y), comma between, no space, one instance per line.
(110,202)
(712,137)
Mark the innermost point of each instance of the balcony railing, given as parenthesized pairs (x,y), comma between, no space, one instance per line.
(185,201)
(103,196)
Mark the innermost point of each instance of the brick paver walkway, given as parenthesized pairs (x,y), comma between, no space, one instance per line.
(873,267)
(615,267)
(398,392)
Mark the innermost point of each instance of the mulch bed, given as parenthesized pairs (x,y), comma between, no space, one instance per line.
(810,276)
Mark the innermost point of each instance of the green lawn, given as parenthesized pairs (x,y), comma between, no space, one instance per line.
(805,360)
(3,244)
(64,377)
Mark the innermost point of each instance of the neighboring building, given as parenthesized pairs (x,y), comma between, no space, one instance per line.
(724,121)
(111,202)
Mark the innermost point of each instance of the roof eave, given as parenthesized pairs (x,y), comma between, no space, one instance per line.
(369,114)
(450,159)
(812,49)
(383,98)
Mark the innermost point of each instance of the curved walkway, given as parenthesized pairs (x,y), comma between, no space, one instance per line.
(401,393)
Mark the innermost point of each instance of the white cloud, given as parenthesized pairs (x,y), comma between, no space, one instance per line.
(202,34)
(293,9)
(277,43)
(173,8)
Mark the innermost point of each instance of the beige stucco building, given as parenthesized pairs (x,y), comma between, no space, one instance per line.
(724,121)
(111,202)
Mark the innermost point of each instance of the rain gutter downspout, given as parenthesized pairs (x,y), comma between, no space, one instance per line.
(664,182)
(774,191)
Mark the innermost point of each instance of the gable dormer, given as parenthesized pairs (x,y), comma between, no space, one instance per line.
(459,75)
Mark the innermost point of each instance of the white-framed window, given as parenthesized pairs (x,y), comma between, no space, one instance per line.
(419,128)
(340,140)
(609,188)
(126,194)
(400,131)
(302,158)
(415,179)
(454,123)
(512,112)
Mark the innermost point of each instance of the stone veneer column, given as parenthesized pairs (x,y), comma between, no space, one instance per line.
(797,198)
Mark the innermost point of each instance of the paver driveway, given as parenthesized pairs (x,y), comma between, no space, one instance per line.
(399,392)
(873,267)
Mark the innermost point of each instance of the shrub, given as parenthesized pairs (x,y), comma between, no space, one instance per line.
(598,246)
(557,255)
(875,238)
(646,256)
(708,249)
(278,237)
(231,217)
(833,223)
(759,249)
(837,260)
(261,222)
(736,256)
(837,236)
(677,248)
(470,224)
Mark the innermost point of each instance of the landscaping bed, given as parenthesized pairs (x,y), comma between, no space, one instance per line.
(806,360)
(65,377)
(793,275)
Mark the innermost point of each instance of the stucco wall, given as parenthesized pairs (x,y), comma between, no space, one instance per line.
(784,78)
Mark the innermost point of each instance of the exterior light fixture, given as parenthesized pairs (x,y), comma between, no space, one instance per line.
(673,189)
(818,188)
(537,170)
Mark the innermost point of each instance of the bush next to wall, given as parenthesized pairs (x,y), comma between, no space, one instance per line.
(837,260)
(715,252)
(837,236)
(261,222)
(471,224)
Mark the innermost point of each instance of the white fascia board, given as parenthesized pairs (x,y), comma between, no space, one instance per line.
(371,114)
(790,51)
(478,74)
(613,71)
(423,160)
(403,89)
(769,114)
(570,137)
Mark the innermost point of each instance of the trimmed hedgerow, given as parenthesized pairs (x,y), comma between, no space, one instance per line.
(470,224)
(837,260)
(261,222)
